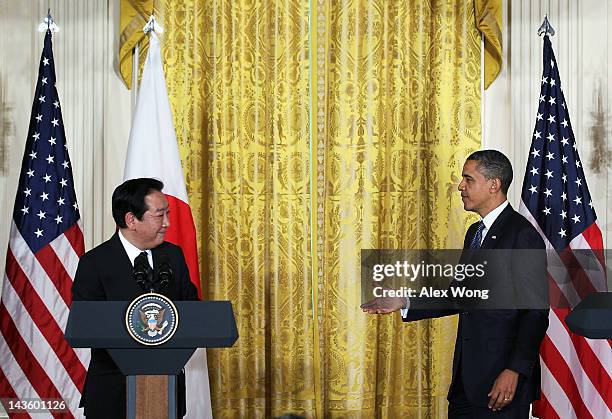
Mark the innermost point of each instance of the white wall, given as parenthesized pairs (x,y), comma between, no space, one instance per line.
(582,46)
(96,105)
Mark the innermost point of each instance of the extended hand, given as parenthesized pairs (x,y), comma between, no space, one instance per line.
(503,390)
(384,305)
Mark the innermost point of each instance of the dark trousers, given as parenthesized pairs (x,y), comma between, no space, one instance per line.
(459,406)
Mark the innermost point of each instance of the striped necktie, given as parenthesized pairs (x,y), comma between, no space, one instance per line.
(477,239)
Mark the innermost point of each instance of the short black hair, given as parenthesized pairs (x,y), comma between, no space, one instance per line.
(130,197)
(494,164)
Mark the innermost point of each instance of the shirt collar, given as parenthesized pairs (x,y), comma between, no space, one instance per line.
(132,251)
(490,218)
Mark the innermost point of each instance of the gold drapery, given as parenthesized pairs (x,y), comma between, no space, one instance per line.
(489,22)
(134,14)
(301,145)
(400,98)
(256,92)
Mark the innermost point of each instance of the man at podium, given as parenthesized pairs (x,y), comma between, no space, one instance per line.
(114,271)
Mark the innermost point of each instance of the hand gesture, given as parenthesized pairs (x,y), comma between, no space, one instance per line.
(384,305)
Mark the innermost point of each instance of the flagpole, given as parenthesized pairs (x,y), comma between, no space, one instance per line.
(483,133)
(135,62)
(151,25)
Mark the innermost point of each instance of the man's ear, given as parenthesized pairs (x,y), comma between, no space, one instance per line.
(130,220)
(495,185)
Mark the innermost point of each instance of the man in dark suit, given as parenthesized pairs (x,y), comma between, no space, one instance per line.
(496,370)
(140,210)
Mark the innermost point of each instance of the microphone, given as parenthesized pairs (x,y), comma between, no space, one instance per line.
(142,273)
(164,272)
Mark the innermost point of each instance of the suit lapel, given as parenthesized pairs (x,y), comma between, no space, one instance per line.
(120,255)
(156,253)
(497,229)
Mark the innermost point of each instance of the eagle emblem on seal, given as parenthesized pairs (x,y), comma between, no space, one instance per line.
(152,319)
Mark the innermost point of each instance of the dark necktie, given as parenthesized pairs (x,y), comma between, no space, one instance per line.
(477,239)
(142,260)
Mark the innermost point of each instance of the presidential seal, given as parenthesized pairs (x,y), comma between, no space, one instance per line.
(151,319)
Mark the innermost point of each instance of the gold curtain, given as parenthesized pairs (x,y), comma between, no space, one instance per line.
(400,101)
(134,14)
(489,22)
(256,92)
(301,145)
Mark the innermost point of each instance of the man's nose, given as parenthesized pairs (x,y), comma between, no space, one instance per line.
(166,221)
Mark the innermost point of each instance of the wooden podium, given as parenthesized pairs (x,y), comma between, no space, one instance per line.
(151,370)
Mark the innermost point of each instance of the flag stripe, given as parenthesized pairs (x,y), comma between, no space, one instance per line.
(67,256)
(555,266)
(75,237)
(601,348)
(554,399)
(545,406)
(43,285)
(55,272)
(592,235)
(42,352)
(568,350)
(556,295)
(11,377)
(563,376)
(578,278)
(21,380)
(592,262)
(25,358)
(592,365)
(43,320)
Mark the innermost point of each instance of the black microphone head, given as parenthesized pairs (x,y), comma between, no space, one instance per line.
(142,273)
(164,272)
(141,276)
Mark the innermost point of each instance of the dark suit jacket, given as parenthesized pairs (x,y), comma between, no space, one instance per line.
(489,341)
(105,273)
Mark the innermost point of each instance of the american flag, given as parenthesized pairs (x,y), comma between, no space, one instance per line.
(45,244)
(576,371)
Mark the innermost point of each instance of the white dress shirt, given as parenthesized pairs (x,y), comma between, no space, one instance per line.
(488,221)
(132,251)
(490,218)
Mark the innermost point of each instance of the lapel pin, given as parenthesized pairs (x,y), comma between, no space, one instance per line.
(493,237)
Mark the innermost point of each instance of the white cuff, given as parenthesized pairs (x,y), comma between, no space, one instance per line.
(404,311)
